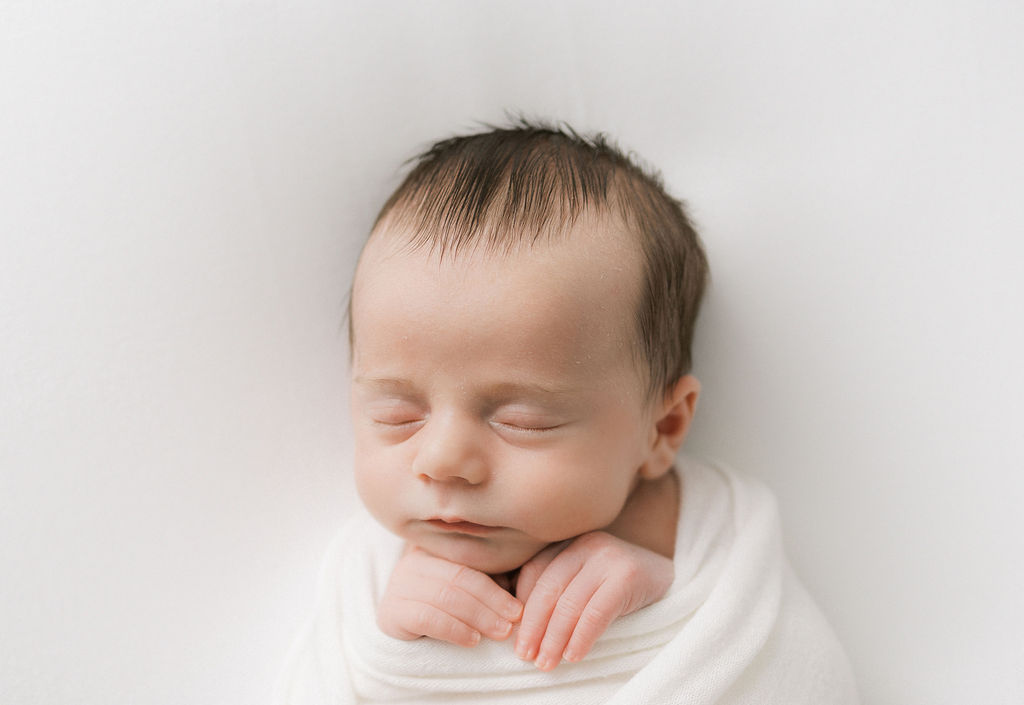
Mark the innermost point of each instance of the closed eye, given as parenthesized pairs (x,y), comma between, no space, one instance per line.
(526,426)
(395,414)
(396,422)
(396,429)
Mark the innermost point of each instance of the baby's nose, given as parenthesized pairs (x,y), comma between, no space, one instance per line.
(450,451)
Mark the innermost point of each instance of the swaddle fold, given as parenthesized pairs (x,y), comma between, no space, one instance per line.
(735,627)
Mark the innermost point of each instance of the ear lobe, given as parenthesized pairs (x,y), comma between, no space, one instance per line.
(671,424)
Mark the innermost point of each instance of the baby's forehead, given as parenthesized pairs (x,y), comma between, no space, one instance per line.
(571,300)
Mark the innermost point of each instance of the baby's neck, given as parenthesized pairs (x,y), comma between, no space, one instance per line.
(650,515)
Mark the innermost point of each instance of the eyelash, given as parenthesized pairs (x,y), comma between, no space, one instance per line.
(514,428)
(396,424)
(526,429)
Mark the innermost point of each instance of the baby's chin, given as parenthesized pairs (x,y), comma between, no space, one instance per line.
(480,554)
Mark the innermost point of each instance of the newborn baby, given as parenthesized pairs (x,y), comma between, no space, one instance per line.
(520,324)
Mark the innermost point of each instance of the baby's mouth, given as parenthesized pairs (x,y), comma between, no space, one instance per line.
(460,526)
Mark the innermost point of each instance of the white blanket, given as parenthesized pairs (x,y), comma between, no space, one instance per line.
(735,627)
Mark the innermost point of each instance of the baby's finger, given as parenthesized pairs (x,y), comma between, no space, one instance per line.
(465,607)
(471,582)
(544,596)
(449,597)
(604,606)
(424,619)
(531,571)
(575,605)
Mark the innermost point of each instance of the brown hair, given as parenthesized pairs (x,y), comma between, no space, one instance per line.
(513,185)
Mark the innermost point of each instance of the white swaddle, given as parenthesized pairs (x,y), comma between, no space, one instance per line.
(735,627)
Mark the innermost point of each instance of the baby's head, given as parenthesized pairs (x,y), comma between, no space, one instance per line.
(521,321)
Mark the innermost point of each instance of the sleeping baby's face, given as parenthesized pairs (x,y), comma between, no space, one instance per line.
(496,402)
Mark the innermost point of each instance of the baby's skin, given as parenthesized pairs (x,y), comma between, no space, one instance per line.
(558,603)
(504,430)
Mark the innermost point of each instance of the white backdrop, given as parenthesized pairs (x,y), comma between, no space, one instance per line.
(183,189)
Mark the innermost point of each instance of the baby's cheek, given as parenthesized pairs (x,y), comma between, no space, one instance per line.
(561,504)
(377,477)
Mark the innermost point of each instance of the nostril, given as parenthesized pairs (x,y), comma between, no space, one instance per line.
(448,478)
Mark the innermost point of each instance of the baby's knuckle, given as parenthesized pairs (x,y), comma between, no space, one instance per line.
(461,576)
(427,622)
(546,593)
(447,597)
(597,617)
(607,549)
(568,607)
(629,572)
(547,587)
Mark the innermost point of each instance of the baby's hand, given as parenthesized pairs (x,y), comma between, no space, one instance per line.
(429,596)
(574,589)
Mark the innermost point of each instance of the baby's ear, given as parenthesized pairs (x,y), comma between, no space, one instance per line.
(672,419)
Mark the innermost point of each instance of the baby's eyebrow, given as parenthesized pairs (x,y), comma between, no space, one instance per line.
(395,383)
(516,390)
(500,391)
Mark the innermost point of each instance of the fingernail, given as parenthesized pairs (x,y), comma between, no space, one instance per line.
(502,628)
(512,610)
(569,654)
(475,638)
(543,663)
